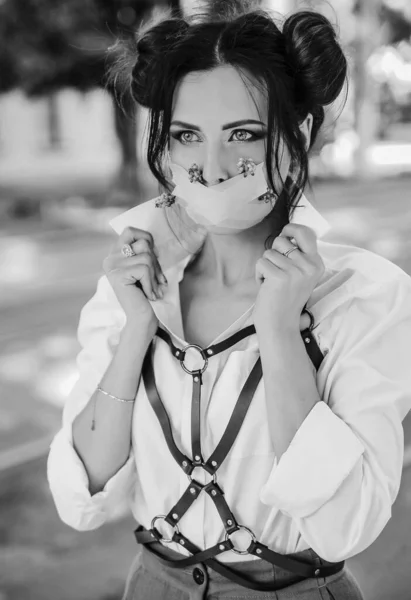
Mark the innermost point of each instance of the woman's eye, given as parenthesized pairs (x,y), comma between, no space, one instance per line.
(242,135)
(185,137)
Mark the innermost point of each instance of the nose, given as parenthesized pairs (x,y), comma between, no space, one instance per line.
(214,171)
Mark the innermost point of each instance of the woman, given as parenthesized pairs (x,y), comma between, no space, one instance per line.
(239,384)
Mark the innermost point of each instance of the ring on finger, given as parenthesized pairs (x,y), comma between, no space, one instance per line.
(127,250)
(290,250)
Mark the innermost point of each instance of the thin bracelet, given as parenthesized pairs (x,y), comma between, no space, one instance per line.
(100,389)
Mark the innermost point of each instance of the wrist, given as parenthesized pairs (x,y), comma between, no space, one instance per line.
(278,328)
(135,331)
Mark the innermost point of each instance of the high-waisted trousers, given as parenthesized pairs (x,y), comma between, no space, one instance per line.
(150,579)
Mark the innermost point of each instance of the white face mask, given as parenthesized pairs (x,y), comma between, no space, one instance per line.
(229,206)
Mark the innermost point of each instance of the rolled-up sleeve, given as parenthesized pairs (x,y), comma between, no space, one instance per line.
(100,324)
(342,471)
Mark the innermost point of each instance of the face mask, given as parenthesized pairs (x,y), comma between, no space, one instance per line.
(232,205)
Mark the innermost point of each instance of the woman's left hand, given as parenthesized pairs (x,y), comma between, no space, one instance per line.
(287,282)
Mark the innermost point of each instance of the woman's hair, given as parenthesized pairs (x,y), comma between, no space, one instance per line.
(300,69)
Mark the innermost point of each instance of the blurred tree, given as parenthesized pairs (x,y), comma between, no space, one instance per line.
(47,45)
(397,19)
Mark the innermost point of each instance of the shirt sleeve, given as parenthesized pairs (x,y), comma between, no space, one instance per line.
(100,324)
(342,471)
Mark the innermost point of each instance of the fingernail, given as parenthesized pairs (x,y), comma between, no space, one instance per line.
(163,279)
(160,292)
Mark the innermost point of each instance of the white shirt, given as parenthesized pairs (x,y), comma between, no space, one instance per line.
(333,488)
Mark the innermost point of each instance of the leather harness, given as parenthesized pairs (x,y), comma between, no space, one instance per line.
(208,556)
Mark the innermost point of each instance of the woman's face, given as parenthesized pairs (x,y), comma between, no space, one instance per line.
(216,119)
(215,122)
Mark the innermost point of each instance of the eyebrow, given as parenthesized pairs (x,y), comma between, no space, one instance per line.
(224,127)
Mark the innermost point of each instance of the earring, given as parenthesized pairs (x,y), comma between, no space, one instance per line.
(195,174)
(269,196)
(246,166)
(165,199)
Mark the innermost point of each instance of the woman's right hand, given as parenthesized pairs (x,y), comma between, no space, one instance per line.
(136,278)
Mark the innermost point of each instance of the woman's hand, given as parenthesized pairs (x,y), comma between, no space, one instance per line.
(135,278)
(287,282)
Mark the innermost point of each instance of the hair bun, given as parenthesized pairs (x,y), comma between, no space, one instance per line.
(315,56)
(151,45)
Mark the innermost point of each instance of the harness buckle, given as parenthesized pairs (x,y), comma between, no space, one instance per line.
(163,539)
(253,538)
(203,356)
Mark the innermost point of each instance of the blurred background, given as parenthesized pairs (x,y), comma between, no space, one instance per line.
(69,161)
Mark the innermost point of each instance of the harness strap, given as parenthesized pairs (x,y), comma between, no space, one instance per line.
(212,465)
(230,433)
(210,350)
(195,418)
(298,567)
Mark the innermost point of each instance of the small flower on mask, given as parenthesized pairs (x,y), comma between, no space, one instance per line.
(195,174)
(269,196)
(165,199)
(246,166)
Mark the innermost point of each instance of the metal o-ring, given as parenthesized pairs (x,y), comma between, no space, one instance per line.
(202,356)
(192,478)
(254,539)
(311,326)
(163,539)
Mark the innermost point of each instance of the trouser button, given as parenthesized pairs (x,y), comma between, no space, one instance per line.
(198,576)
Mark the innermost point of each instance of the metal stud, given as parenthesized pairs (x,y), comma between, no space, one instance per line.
(307,340)
(192,490)
(182,542)
(222,547)
(175,516)
(213,493)
(209,351)
(258,550)
(195,378)
(229,522)
(184,463)
(317,572)
(213,462)
(197,457)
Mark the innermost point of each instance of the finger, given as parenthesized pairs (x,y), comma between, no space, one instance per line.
(142,274)
(143,245)
(281,244)
(119,261)
(136,274)
(304,236)
(283,262)
(264,268)
(129,235)
(143,258)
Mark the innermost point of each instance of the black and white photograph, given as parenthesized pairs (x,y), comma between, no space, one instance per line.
(205,299)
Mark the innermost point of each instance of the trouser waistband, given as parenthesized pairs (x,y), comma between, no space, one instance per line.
(257,571)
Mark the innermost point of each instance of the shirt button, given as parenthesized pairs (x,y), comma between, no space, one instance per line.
(198,576)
